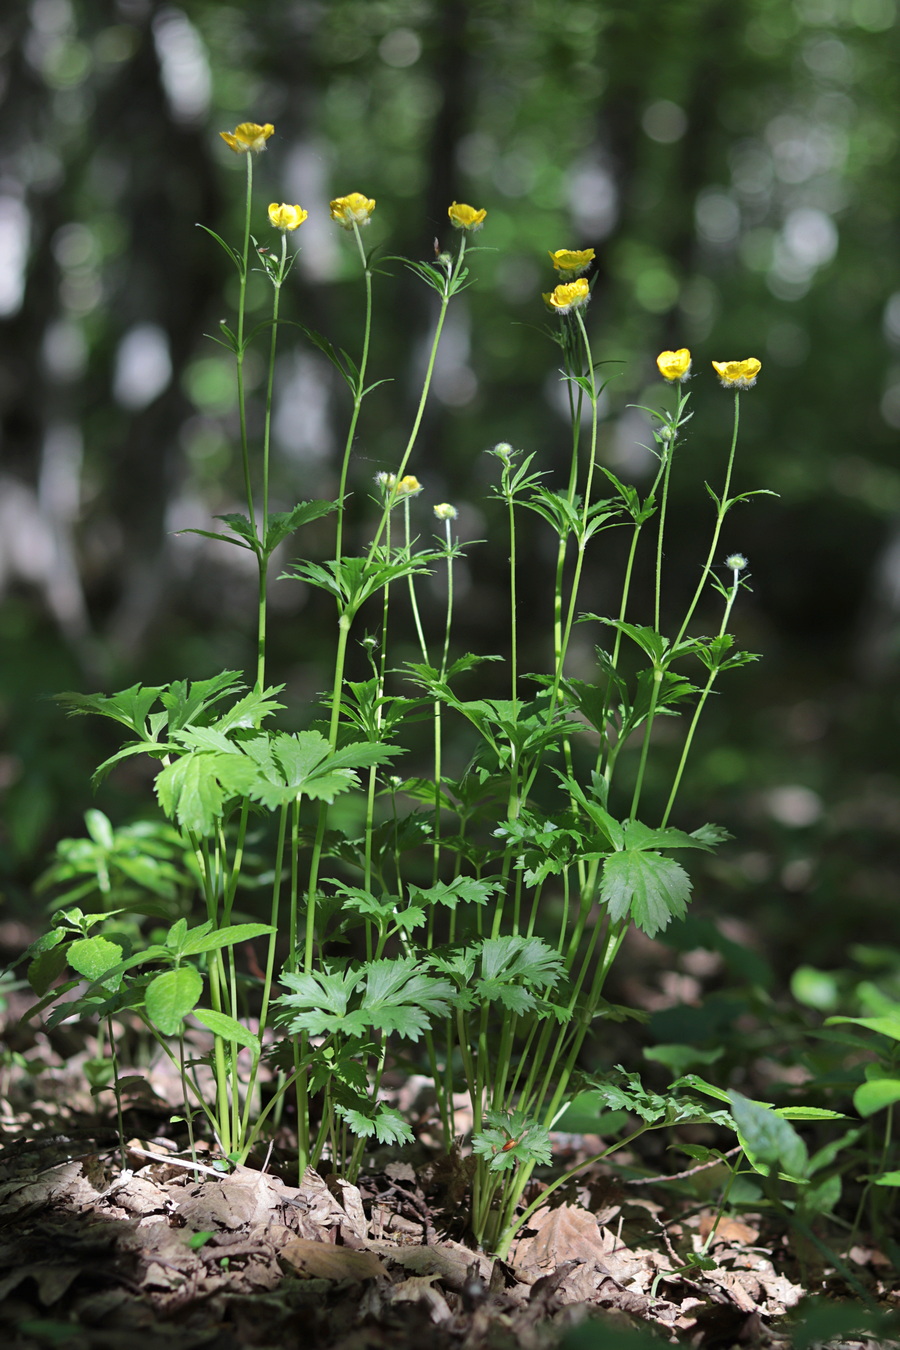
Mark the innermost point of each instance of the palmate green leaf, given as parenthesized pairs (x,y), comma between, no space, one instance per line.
(513,969)
(638,835)
(303,763)
(399,997)
(385,1122)
(169,998)
(186,701)
(319,1001)
(510,1139)
(251,710)
(461,890)
(194,789)
(652,889)
(130,706)
(529,959)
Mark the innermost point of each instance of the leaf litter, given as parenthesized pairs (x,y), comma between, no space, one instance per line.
(167,1256)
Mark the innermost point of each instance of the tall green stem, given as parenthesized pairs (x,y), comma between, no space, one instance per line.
(723,506)
(359,394)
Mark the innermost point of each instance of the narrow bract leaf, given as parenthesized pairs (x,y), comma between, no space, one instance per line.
(228,1028)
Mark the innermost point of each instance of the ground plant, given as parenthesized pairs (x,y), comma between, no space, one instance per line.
(464,924)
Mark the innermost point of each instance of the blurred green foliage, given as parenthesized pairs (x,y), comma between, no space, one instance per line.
(736,168)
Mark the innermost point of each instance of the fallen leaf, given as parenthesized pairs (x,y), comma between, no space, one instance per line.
(727,1230)
(326,1262)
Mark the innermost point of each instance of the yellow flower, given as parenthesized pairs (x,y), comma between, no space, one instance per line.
(568,296)
(444,511)
(466,217)
(353,210)
(674,366)
(408,486)
(738,374)
(286,217)
(572,262)
(247,136)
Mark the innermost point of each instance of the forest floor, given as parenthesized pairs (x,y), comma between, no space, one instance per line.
(152,1251)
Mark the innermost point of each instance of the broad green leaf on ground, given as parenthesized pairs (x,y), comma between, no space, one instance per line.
(171,996)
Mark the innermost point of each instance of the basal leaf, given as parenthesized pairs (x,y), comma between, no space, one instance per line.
(653,889)
(195,788)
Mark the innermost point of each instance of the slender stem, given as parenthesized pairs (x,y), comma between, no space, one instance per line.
(239,356)
(449,287)
(688,740)
(723,507)
(358,396)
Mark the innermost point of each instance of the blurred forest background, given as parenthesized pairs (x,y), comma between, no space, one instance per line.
(737,169)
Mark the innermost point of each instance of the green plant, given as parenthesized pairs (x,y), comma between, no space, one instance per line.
(472,921)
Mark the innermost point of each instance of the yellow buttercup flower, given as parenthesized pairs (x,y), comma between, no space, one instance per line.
(408,486)
(353,210)
(444,511)
(738,374)
(286,217)
(572,262)
(247,136)
(466,217)
(568,296)
(675,366)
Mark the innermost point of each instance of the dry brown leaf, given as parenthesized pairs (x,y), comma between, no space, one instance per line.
(355,1223)
(324,1261)
(727,1230)
(564,1233)
(568,1232)
(448,1263)
(418,1289)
